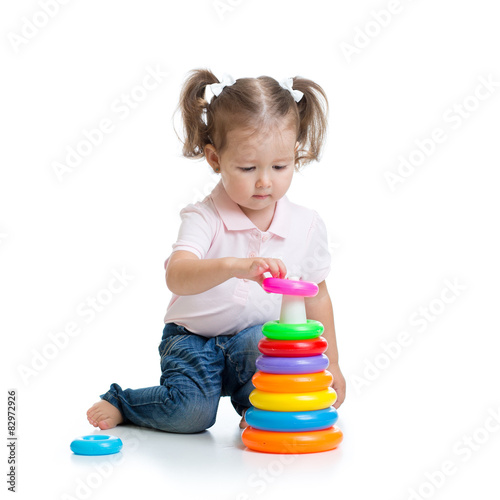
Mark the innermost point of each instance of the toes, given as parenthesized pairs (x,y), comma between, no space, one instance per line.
(90,417)
(92,410)
(92,421)
(94,414)
(100,415)
(105,424)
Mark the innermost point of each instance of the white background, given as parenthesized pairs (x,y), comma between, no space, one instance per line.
(417,263)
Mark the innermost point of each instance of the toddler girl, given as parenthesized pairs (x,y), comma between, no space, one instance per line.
(254,133)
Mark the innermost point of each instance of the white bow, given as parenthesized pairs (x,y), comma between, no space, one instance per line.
(226,81)
(287,83)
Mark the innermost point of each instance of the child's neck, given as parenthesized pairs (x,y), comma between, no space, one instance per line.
(262,219)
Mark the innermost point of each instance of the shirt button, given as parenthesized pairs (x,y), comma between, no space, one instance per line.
(252,254)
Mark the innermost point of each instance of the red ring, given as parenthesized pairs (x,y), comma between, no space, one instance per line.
(293,348)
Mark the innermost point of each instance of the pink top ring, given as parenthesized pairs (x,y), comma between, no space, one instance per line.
(290,287)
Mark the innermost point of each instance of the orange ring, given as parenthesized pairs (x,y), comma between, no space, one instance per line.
(305,382)
(292,442)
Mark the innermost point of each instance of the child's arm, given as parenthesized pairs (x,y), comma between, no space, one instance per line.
(186,274)
(320,308)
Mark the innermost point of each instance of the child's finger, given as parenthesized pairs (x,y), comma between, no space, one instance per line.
(260,266)
(282,269)
(274,268)
(340,396)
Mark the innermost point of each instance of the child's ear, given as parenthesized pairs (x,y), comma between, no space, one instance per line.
(297,145)
(212,157)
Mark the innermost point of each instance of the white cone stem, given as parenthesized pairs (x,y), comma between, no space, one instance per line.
(293,310)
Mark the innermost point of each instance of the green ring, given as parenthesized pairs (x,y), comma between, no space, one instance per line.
(289,331)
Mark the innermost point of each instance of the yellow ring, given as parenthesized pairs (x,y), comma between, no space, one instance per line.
(293,401)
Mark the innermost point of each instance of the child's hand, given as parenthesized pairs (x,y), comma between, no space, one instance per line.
(339,383)
(254,269)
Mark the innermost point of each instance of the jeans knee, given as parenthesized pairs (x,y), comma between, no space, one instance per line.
(196,419)
(192,414)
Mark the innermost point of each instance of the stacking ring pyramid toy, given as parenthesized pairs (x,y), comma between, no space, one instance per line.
(292,404)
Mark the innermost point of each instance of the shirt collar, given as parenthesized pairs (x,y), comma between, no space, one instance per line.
(235,220)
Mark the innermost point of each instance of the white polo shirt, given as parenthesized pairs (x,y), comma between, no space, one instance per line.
(216,227)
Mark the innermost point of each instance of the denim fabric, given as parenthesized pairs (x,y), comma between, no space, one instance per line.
(196,372)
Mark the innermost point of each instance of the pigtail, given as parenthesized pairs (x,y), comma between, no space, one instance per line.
(193,107)
(313,121)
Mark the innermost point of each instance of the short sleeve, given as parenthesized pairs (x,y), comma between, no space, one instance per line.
(196,231)
(318,260)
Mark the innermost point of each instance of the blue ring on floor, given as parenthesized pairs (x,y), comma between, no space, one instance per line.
(96,444)
(291,421)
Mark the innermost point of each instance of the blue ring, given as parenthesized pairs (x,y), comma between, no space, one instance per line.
(96,444)
(291,421)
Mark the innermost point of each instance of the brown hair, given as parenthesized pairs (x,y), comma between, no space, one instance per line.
(252,102)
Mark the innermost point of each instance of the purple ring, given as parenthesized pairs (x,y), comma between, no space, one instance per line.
(309,364)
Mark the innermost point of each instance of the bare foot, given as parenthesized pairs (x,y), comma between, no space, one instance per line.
(243,422)
(104,415)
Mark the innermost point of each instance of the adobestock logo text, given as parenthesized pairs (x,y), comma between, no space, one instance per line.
(87,310)
(122,107)
(453,119)
(420,320)
(31,27)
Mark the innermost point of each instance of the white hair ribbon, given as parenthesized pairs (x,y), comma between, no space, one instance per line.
(287,83)
(217,88)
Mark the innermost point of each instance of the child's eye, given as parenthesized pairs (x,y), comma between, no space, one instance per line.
(247,169)
(279,167)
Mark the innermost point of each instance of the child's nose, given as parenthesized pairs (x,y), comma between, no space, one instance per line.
(264,180)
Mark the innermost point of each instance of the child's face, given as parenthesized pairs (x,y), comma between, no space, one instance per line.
(257,166)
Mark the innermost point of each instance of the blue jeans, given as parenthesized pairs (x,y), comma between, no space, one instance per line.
(196,372)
